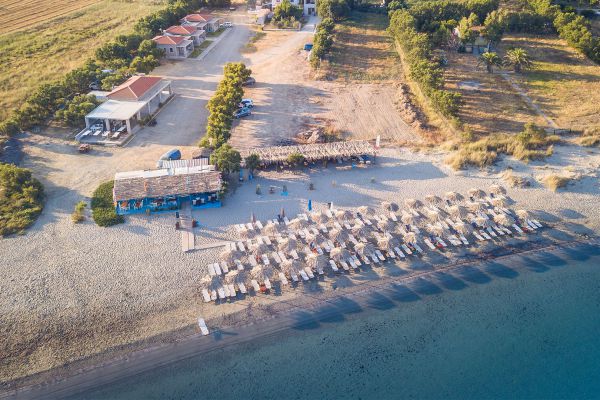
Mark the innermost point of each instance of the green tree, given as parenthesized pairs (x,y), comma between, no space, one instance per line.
(226,159)
(76,110)
(518,59)
(9,127)
(295,159)
(489,60)
(396,5)
(144,64)
(334,9)
(252,162)
(286,10)
(495,25)
(465,31)
(21,199)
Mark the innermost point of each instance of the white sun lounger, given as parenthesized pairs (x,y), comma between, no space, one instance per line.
(429,244)
(268,283)
(314,230)
(276,257)
(498,230)
(231,290)
(241,246)
(337,225)
(226,291)
(249,244)
(213,295)
(491,232)
(238,228)
(205,296)
(202,326)
(282,256)
(319,250)
(406,249)
(224,267)
(249,226)
(238,264)
(418,248)
(283,279)
(347,226)
(516,228)
(259,224)
(531,224)
(255,285)
(309,272)
(303,274)
(464,240)
(286,220)
(393,217)
(478,236)
(441,241)
(217,269)
(352,263)
(259,240)
(374,258)
(211,270)
(328,213)
(242,288)
(344,265)
(357,262)
(265,259)
(323,228)
(266,240)
(252,261)
(326,247)
(365,259)
(379,255)
(294,277)
(294,254)
(353,239)
(484,234)
(399,252)
(333,266)
(221,292)
(536,222)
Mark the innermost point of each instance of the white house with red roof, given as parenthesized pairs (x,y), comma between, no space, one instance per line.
(191,32)
(208,22)
(127,105)
(175,47)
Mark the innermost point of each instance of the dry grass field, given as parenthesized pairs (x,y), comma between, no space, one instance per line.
(490,104)
(362,50)
(57,39)
(565,84)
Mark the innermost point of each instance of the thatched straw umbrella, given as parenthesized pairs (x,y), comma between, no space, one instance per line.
(272,229)
(361,230)
(497,189)
(319,239)
(248,233)
(476,193)
(344,215)
(433,215)
(458,211)
(338,235)
(453,196)
(413,204)
(364,248)
(523,214)
(291,267)
(366,210)
(484,223)
(262,272)
(299,223)
(212,282)
(435,230)
(463,228)
(387,206)
(433,199)
(319,217)
(386,243)
(503,219)
(231,277)
(386,226)
(498,202)
(408,219)
(259,249)
(288,245)
(339,254)
(410,237)
(317,261)
(230,255)
(475,206)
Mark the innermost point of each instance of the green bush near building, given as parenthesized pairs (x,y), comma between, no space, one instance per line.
(103,208)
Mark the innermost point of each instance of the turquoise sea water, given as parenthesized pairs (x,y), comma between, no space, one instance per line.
(527,327)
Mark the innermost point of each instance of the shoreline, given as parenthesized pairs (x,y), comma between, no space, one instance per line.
(276,316)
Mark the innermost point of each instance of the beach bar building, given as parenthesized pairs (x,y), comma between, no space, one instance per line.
(166,189)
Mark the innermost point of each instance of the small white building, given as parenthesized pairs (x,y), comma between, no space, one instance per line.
(309,7)
(126,105)
(175,47)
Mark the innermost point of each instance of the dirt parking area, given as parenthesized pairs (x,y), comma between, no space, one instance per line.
(288,98)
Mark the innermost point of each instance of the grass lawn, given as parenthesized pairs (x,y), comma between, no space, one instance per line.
(216,33)
(45,52)
(565,84)
(362,50)
(250,47)
(199,49)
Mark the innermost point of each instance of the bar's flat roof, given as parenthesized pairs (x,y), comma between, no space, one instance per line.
(114,109)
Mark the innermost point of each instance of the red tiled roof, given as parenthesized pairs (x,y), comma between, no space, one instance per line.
(207,17)
(134,88)
(194,18)
(181,29)
(168,39)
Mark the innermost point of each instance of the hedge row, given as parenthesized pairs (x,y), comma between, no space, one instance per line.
(103,208)
(223,104)
(322,42)
(418,51)
(114,63)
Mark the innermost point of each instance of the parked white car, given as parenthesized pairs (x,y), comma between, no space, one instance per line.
(227,25)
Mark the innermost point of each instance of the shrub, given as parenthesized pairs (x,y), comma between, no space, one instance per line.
(285,11)
(555,182)
(77,215)
(10,127)
(226,159)
(252,161)
(295,159)
(322,41)
(76,110)
(21,199)
(334,9)
(103,208)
